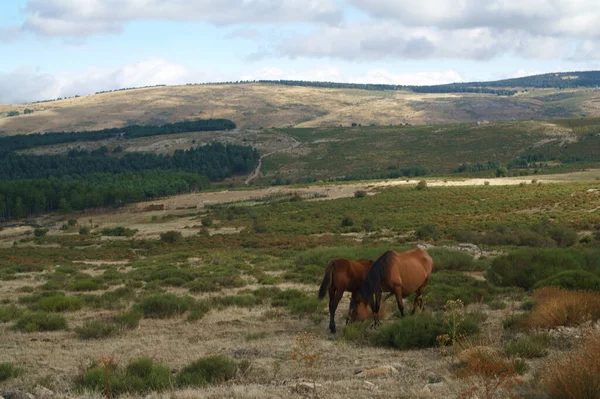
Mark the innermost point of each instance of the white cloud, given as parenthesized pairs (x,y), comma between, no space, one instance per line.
(390,40)
(576,18)
(89,17)
(26,85)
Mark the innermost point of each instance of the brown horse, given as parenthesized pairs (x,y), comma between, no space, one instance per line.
(399,273)
(342,275)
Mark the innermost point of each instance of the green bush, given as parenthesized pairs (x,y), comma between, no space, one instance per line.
(207,221)
(360,194)
(40,232)
(141,376)
(428,232)
(119,231)
(7,370)
(52,301)
(347,221)
(85,285)
(95,330)
(572,280)
(525,267)
(208,370)
(84,230)
(164,306)
(528,346)
(447,259)
(171,236)
(129,320)
(9,313)
(420,331)
(32,322)
(450,285)
(422,185)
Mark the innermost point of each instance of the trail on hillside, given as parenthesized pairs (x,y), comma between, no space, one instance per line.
(257,171)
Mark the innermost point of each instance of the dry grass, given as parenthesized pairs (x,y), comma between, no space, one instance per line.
(577,375)
(559,307)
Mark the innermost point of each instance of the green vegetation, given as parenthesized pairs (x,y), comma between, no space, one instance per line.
(528,346)
(572,280)
(205,371)
(32,322)
(8,370)
(164,306)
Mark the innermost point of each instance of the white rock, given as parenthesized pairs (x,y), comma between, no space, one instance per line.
(369,386)
(383,370)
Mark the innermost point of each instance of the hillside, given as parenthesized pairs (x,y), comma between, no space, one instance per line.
(257,105)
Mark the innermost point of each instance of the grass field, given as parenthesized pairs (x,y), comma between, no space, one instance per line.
(254,106)
(239,281)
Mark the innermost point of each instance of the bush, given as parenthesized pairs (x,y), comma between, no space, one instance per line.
(72,222)
(360,194)
(528,346)
(428,232)
(171,237)
(7,370)
(52,301)
(164,306)
(119,232)
(85,285)
(84,230)
(95,330)
(575,375)
(446,259)
(141,376)
(558,307)
(420,331)
(9,313)
(525,267)
(450,285)
(572,280)
(207,221)
(422,185)
(32,322)
(347,221)
(40,232)
(208,370)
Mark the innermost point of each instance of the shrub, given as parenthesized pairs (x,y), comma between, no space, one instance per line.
(9,313)
(528,346)
(572,280)
(119,231)
(207,221)
(128,320)
(72,222)
(171,236)
(95,330)
(52,301)
(524,268)
(558,307)
(575,375)
(140,376)
(422,185)
(419,331)
(40,232)
(428,232)
(7,370)
(451,285)
(347,221)
(208,370)
(360,194)
(85,285)
(84,230)
(447,259)
(31,322)
(164,306)
(516,321)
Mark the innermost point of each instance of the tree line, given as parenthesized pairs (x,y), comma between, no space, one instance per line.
(25,141)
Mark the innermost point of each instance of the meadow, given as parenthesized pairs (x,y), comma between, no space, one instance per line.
(221,300)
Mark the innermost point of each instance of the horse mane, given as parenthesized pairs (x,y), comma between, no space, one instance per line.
(372,282)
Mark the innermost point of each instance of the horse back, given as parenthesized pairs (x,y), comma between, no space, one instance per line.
(349,274)
(412,268)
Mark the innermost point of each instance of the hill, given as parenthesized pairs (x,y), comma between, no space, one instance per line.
(262,105)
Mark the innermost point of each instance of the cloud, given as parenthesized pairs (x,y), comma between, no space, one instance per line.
(390,40)
(27,85)
(537,17)
(10,33)
(89,17)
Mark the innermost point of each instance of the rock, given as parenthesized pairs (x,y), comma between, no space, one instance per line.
(306,387)
(425,391)
(41,392)
(436,385)
(17,395)
(383,370)
(369,386)
(592,190)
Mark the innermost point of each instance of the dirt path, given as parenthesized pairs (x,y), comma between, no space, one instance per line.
(257,171)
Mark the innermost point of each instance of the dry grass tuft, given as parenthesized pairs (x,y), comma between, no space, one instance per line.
(578,374)
(559,307)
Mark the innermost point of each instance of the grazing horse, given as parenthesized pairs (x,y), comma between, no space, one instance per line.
(400,274)
(342,275)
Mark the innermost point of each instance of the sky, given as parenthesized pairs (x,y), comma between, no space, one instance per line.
(62,48)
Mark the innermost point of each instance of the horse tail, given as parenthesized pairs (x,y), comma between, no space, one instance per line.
(373,281)
(327,278)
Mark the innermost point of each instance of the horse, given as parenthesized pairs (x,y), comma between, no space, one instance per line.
(400,274)
(342,275)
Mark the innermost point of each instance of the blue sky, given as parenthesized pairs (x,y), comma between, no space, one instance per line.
(56,48)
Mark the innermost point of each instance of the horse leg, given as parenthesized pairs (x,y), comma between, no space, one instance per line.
(333,304)
(352,300)
(398,295)
(376,321)
(419,297)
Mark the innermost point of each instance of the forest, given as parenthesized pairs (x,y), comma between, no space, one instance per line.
(35,184)
(25,141)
